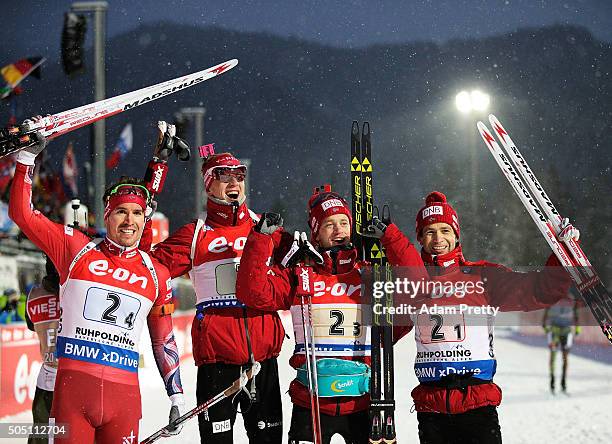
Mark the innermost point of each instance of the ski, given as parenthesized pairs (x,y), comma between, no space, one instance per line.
(13,139)
(236,386)
(547,219)
(382,423)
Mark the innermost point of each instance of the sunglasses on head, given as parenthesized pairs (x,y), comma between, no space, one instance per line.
(128,188)
(226,174)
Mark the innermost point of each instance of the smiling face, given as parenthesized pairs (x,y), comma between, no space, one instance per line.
(335,230)
(125,223)
(229,191)
(438,238)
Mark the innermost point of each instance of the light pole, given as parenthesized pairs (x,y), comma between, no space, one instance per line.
(469,103)
(99,168)
(196,114)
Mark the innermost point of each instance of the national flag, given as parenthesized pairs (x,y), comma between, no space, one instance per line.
(14,73)
(124,146)
(70,170)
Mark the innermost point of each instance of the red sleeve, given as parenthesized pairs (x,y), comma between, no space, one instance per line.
(515,291)
(401,252)
(165,351)
(60,243)
(175,252)
(258,285)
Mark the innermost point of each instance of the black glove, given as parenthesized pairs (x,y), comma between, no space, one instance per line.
(301,248)
(376,229)
(167,143)
(309,250)
(269,223)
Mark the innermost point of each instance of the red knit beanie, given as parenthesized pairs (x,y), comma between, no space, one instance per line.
(436,210)
(322,205)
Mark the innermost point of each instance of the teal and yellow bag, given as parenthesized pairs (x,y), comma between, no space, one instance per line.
(338,377)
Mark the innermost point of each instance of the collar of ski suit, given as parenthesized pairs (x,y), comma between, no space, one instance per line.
(446,263)
(118,250)
(337,260)
(226,214)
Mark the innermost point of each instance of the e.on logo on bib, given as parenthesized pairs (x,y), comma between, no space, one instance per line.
(100,268)
(221,244)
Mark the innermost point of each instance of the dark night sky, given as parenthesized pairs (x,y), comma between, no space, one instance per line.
(33,26)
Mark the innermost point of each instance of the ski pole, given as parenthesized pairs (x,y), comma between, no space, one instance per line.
(236,386)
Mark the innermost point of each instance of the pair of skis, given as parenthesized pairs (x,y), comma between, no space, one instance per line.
(549,222)
(15,138)
(382,409)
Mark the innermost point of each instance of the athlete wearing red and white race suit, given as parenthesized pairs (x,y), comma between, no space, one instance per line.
(456,399)
(337,317)
(226,335)
(107,292)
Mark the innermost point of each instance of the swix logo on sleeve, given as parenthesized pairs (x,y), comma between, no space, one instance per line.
(434,209)
(157,177)
(100,268)
(221,244)
(331,203)
(304,275)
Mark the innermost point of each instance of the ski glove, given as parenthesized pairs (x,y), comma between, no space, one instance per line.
(568,231)
(301,248)
(376,229)
(33,143)
(168,142)
(269,223)
(178,401)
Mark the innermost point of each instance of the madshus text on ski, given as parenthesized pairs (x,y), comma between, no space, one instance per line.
(343,351)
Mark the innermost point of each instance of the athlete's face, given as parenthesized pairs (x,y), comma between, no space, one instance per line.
(335,230)
(229,189)
(125,223)
(438,238)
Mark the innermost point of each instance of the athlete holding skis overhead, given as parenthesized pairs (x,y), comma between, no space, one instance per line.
(456,399)
(227,336)
(108,289)
(342,341)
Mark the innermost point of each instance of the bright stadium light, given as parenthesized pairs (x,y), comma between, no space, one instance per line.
(480,100)
(463,102)
(476,100)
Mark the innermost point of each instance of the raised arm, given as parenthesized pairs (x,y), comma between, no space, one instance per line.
(59,242)
(258,285)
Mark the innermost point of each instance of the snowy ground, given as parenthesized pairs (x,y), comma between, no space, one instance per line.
(529,413)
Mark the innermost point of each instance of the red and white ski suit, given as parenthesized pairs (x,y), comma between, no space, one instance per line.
(211,251)
(106,294)
(455,360)
(337,286)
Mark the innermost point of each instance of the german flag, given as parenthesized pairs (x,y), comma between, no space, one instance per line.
(14,73)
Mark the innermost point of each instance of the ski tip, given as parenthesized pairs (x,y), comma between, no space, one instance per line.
(223,67)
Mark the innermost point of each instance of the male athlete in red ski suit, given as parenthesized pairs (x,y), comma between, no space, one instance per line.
(340,333)
(226,335)
(456,399)
(108,289)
